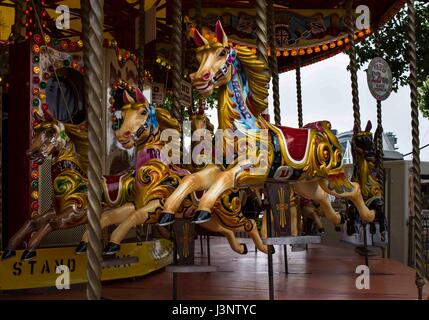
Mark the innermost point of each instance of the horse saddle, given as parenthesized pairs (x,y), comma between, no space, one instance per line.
(116,191)
(295,143)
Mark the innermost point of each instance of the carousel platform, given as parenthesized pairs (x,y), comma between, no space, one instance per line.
(322,272)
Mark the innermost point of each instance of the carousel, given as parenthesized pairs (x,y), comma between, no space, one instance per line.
(112,169)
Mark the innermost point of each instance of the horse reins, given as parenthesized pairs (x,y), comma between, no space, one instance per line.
(223,70)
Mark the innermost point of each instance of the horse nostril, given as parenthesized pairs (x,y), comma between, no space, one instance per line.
(206,76)
(127,134)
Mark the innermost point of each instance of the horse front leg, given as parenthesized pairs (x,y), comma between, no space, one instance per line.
(198,181)
(108,218)
(224,180)
(137,217)
(29,226)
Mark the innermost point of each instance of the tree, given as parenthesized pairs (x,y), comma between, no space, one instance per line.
(393,47)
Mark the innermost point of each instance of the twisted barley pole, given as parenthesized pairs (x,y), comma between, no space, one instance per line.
(299,95)
(141,44)
(261,31)
(273,62)
(417,206)
(176,39)
(353,66)
(378,138)
(93,20)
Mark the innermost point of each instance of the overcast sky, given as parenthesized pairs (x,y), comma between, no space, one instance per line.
(326,95)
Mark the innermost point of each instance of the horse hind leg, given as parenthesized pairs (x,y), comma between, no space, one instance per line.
(354,196)
(313,191)
(214,225)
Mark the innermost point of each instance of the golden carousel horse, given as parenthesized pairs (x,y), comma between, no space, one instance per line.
(155,179)
(309,158)
(365,174)
(68,146)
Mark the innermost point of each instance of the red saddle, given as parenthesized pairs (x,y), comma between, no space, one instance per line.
(296,141)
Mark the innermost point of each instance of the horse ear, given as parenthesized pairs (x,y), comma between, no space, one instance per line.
(140,96)
(199,39)
(127,98)
(48,116)
(368,126)
(220,34)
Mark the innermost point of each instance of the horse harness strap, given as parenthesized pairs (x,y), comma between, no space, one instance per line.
(224,68)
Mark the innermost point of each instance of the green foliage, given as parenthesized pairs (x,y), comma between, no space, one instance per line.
(394,49)
(210,102)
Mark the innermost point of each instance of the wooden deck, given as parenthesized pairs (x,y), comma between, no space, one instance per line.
(321,273)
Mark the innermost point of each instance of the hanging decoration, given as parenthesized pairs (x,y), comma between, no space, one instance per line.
(122,55)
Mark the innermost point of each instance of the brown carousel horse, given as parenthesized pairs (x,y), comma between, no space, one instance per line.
(155,179)
(67,144)
(366,175)
(310,158)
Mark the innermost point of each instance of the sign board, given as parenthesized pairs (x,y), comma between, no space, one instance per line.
(158,93)
(186,100)
(379,77)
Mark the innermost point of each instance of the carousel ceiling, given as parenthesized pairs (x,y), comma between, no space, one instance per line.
(308,30)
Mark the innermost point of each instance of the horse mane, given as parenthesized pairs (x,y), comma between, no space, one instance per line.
(165,120)
(258,77)
(79,138)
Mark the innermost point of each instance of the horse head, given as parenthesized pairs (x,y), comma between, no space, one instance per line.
(138,120)
(364,144)
(215,57)
(49,137)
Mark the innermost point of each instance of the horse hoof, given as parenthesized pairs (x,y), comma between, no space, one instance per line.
(165,219)
(8,254)
(81,248)
(111,248)
(201,216)
(271,248)
(28,255)
(244,248)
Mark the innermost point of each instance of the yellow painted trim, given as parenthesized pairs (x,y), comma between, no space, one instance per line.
(14,274)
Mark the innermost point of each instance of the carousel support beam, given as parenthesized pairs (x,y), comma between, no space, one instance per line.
(378,137)
(176,39)
(93,19)
(353,67)
(140,69)
(261,31)
(141,44)
(299,94)
(273,62)
(416,183)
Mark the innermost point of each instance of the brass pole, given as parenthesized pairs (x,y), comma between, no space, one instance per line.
(141,44)
(353,66)
(93,18)
(176,39)
(299,94)
(273,62)
(416,183)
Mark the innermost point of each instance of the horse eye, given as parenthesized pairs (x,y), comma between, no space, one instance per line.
(222,53)
(144,112)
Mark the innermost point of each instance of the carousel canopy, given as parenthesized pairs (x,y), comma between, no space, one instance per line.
(305,30)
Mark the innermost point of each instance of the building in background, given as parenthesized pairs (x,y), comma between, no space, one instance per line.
(389,146)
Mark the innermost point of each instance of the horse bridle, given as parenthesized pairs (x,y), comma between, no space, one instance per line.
(136,135)
(223,70)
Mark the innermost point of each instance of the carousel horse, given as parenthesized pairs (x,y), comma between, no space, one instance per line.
(310,158)
(312,213)
(67,144)
(365,174)
(156,179)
